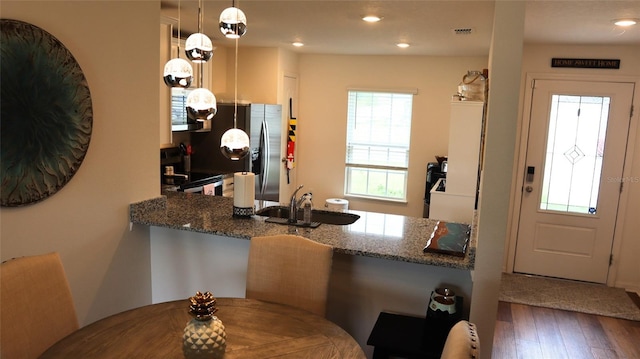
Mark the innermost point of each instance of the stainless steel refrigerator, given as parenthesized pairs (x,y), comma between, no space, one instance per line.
(263,124)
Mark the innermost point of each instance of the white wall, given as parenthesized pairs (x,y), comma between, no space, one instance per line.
(321,135)
(502,109)
(625,272)
(87,221)
(257,74)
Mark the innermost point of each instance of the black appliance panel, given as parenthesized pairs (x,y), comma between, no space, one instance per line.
(183,181)
(207,157)
(434,173)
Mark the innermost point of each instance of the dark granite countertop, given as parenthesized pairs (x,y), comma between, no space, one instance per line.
(375,235)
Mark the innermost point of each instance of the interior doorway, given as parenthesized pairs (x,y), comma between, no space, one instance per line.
(574,160)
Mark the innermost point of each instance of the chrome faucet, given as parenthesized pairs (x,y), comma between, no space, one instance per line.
(293,205)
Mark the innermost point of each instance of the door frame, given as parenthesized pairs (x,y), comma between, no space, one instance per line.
(520,163)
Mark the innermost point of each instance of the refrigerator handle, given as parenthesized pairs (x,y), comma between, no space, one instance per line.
(265,154)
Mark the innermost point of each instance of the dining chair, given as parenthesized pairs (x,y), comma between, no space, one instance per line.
(36,306)
(289,269)
(462,342)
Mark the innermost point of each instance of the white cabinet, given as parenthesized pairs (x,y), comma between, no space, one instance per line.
(457,202)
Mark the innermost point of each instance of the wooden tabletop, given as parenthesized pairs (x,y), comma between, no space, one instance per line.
(254,329)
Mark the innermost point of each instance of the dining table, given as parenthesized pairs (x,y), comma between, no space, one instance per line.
(254,329)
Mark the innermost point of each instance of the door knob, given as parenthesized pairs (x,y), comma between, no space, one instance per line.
(528,189)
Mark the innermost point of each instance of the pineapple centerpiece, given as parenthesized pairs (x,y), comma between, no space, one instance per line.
(204,335)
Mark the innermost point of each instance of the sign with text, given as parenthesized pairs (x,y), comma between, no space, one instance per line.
(586,63)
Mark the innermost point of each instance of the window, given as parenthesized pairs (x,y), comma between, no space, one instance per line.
(378,136)
(178,105)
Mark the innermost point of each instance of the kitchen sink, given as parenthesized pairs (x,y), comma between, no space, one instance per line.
(280,214)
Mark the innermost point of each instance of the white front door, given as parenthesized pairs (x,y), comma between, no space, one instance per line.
(574,161)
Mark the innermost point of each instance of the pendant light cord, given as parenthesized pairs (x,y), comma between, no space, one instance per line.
(200,16)
(235,84)
(235,109)
(178,28)
(200,64)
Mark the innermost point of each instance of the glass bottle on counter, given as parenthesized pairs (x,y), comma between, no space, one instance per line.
(307,205)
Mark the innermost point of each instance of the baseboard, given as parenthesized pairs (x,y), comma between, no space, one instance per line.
(629,287)
(635,298)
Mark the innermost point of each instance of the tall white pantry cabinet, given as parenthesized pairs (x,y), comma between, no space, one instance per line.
(457,202)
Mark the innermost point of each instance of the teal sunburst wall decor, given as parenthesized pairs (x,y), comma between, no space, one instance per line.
(46,115)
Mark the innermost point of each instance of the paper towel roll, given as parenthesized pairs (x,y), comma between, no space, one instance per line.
(244,191)
(336,204)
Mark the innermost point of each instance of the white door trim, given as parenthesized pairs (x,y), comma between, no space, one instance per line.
(518,175)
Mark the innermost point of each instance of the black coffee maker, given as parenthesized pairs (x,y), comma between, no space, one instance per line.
(435,171)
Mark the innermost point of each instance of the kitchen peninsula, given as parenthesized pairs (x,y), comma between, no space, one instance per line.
(196,244)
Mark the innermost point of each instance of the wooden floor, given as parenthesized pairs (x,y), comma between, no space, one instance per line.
(524,331)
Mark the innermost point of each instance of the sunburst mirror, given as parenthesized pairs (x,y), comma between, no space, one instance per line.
(46,114)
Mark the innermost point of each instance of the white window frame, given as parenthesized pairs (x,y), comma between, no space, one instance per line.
(368,153)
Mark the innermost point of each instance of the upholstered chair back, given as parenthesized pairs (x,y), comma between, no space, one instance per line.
(36,307)
(291,270)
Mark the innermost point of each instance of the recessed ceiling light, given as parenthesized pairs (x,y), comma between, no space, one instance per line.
(297,44)
(625,22)
(402,45)
(371,18)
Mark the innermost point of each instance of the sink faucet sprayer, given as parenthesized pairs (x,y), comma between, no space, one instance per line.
(293,205)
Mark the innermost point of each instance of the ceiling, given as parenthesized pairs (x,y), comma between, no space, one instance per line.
(335,26)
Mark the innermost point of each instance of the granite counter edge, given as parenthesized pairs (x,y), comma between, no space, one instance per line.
(139,211)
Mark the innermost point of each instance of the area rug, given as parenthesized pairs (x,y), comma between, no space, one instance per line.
(568,295)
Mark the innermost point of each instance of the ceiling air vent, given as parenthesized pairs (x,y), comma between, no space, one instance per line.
(463,31)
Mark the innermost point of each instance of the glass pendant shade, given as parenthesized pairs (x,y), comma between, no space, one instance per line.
(178,73)
(198,48)
(233,22)
(201,105)
(234,144)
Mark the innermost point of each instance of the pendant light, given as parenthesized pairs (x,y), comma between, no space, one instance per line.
(201,103)
(234,143)
(178,72)
(198,46)
(233,22)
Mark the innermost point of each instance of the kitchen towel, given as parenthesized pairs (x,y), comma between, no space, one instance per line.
(209,189)
(244,192)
